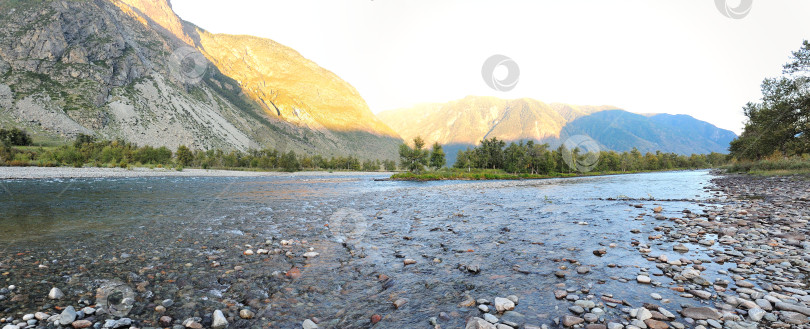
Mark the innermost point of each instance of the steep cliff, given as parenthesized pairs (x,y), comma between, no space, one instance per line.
(132,69)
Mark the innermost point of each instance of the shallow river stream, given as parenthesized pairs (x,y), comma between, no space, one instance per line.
(186,239)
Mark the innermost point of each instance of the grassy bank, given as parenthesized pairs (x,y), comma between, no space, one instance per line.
(496,174)
(778,166)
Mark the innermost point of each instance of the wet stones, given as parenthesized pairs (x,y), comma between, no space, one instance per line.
(792,308)
(680,248)
(400,302)
(570,321)
(583,269)
(599,252)
(643,279)
(655,324)
(68,316)
(503,305)
(478,323)
(756,314)
(701,313)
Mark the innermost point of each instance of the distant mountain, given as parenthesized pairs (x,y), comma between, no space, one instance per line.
(621,131)
(465,122)
(132,69)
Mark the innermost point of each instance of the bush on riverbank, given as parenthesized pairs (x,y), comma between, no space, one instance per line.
(773,165)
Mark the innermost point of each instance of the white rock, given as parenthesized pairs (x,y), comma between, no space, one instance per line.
(690,273)
(643,279)
(55,293)
(219,321)
(308,324)
(311,254)
(503,305)
(643,314)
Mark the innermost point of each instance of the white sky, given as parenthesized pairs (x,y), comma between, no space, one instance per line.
(671,56)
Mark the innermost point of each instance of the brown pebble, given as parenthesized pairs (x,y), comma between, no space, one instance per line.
(375,318)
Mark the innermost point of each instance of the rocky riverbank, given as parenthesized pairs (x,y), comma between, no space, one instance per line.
(527,254)
(760,235)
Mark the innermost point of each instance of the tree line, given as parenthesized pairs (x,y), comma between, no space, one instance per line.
(538,159)
(86,150)
(779,125)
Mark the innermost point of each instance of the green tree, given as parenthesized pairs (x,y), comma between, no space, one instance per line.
(289,162)
(437,159)
(184,155)
(781,121)
(413,159)
(390,165)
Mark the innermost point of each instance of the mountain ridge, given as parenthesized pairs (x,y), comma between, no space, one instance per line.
(113,73)
(465,122)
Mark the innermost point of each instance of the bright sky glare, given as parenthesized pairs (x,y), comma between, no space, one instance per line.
(671,56)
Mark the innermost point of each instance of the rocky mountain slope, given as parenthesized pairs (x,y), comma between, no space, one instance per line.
(467,121)
(132,69)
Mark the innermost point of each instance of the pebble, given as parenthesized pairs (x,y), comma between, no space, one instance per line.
(409,261)
(400,302)
(490,318)
(503,305)
(308,324)
(219,321)
(643,279)
(55,293)
(570,321)
(165,321)
(656,296)
(246,314)
(80,324)
(68,316)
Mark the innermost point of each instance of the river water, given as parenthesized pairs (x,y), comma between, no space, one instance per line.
(184,238)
